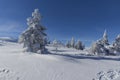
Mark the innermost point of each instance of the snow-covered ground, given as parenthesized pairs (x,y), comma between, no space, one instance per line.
(65,64)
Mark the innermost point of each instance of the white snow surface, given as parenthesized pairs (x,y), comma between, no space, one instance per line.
(64,64)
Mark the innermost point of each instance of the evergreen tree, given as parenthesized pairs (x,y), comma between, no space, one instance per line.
(79,45)
(34,37)
(55,42)
(104,40)
(99,49)
(68,44)
(72,44)
(56,45)
(116,44)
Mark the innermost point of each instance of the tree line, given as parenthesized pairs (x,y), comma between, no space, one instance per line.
(34,39)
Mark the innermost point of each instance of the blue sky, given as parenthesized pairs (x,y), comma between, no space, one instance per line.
(82,19)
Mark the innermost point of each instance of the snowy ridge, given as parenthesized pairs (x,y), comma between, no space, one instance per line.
(7,39)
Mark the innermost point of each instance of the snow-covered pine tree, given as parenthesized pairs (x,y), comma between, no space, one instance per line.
(116,45)
(68,44)
(99,49)
(101,46)
(72,43)
(56,44)
(79,45)
(104,40)
(33,38)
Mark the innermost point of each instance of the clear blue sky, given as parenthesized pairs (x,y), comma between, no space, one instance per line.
(82,19)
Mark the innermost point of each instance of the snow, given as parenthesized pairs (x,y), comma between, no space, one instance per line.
(65,64)
(3,39)
(109,75)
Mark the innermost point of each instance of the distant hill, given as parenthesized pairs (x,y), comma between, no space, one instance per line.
(8,39)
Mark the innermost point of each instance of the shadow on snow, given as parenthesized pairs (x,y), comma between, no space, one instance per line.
(79,56)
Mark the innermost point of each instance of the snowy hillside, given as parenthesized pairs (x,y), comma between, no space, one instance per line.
(8,39)
(66,64)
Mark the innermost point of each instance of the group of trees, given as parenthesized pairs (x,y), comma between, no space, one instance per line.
(102,46)
(72,44)
(34,39)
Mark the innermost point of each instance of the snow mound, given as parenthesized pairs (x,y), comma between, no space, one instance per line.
(109,75)
(6,74)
